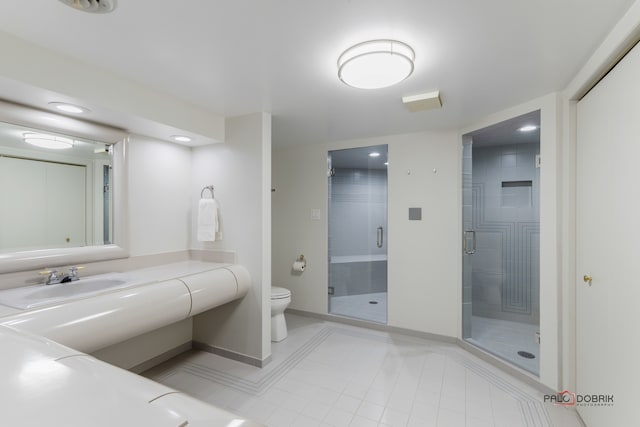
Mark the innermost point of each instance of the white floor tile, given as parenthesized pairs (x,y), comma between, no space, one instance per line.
(305,421)
(394,418)
(316,410)
(260,411)
(330,374)
(371,410)
(348,403)
(449,418)
(359,421)
(425,413)
(282,418)
(338,418)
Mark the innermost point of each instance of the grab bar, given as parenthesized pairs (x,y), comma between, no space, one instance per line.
(465,240)
(379,237)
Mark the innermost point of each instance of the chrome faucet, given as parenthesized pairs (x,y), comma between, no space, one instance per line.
(54,276)
(73,274)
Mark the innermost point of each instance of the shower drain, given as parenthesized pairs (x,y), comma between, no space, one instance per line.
(526,355)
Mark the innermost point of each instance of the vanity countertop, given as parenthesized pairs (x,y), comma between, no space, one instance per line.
(45,383)
(173,270)
(137,277)
(71,388)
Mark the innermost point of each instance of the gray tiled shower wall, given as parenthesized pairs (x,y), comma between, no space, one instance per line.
(358,206)
(506,216)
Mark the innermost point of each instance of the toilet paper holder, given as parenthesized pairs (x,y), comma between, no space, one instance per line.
(300,264)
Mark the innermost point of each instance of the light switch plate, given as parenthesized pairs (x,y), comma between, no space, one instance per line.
(315,214)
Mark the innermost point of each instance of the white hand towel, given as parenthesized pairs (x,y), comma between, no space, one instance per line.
(207,220)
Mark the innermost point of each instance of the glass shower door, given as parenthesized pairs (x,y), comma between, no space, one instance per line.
(358,233)
(501,240)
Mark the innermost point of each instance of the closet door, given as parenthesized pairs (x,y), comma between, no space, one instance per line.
(608,247)
(47,209)
(22,207)
(66,205)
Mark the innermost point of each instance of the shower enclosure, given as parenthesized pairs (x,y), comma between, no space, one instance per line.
(358,233)
(501,240)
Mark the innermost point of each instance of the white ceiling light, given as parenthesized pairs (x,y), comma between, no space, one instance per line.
(44,140)
(528,128)
(376,64)
(374,154)
(180,138)
(69,108)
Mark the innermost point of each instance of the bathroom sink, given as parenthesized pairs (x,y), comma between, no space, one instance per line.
(34,296)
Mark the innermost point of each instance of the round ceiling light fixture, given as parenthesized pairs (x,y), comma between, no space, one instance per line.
(92,6)
(528,128)
(44,140)
(69,108)
(376,64)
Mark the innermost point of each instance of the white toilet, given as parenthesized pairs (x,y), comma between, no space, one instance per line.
(280,299)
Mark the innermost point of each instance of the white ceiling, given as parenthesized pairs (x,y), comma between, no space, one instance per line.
(278,56)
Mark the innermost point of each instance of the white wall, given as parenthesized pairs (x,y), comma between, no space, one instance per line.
(159,196)
(164,185)
(424,298)
(240,171)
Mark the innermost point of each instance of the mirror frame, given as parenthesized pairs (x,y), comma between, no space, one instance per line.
(44,258)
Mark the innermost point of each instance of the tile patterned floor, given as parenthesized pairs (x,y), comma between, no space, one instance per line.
(329,374)
(360,306)
(505,338)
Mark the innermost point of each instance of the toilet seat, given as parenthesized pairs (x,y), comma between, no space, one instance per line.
(280,293)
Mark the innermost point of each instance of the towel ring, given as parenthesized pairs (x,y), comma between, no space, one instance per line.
(210,188)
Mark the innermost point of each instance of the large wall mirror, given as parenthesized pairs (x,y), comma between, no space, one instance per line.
(62,193)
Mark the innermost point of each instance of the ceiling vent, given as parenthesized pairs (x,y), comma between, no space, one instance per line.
(92,6)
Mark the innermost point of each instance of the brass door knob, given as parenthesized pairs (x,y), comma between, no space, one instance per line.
(587,279)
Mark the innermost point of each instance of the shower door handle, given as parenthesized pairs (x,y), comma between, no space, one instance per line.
(465,242)
(379,237)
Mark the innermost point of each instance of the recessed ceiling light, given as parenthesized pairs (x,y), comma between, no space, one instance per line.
(374,154)
(528,128)
(180,138)
(44,140)
(376,64)
(69,108)
(386,163)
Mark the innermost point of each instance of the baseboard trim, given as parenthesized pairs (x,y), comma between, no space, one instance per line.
(373,325)
(155,361)
(239,357)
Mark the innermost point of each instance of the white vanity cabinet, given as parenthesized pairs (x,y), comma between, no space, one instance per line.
(49,380)
(47,384)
